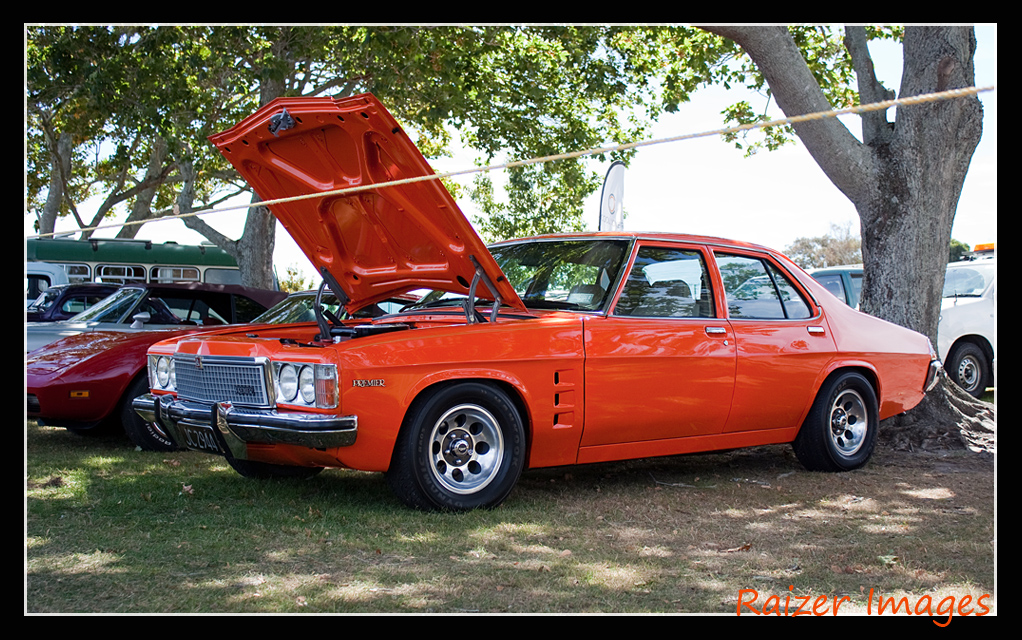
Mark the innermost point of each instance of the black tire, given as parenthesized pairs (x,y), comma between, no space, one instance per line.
(969,368)
(840,432)
(461,448)
(145,435)
(266,470)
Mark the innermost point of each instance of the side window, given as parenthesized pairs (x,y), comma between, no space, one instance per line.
(173,274)
(832,282)
(667,283)
(757,289)
(78,272)
(121,274)
(245,309)
(223,276)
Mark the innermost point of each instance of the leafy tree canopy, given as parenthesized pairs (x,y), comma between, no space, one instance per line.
(134,105)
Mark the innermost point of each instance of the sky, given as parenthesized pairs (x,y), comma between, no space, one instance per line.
(705,186)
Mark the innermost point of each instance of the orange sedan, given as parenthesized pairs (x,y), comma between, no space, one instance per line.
(546,351)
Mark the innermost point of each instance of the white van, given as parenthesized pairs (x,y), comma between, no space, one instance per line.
(40,276)
(967,334)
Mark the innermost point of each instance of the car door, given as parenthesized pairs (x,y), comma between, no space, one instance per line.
(661,364)
(782,342)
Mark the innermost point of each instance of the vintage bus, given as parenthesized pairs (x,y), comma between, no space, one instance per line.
(122,261)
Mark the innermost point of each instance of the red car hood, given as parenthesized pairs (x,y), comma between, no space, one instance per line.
(375,243)
(77,349)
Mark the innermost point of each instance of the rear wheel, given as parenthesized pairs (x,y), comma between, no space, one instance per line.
(840,432)
(462,448)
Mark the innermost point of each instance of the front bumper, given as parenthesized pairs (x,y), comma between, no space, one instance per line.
(227,429)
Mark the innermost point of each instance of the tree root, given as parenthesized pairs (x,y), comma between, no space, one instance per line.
(948,418)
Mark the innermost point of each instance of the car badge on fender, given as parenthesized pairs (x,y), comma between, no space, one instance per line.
(367,383)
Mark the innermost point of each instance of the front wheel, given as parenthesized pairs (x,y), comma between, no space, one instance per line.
(840,432)
(462,448)
(145,435)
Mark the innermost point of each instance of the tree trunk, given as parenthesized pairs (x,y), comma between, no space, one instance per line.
(903,178)
(141,209)
(254,251)
(916,179)
(60,167)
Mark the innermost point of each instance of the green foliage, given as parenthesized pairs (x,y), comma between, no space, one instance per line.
(508,92)
(295,280)
(958,249)
(830,64)
(837,247)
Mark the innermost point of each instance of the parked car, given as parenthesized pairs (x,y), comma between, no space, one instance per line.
(548,351)
(844,281)
(967,332)
(40,276)
(86,382)
(64,301)
(147,306)
(967,329)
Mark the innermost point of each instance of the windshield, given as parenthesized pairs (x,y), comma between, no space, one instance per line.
(46,299)
(971,280)
(553,274)
(296,308)
(299,308)
(112,308)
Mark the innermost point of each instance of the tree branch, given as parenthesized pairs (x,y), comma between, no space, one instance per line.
(875,127)
(843,159)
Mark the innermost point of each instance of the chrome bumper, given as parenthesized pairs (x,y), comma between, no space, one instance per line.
(932,376)
(196,425)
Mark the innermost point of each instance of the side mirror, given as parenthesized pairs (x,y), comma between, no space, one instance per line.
(140,319)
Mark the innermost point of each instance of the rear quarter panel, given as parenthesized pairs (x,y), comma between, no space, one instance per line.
(897,357)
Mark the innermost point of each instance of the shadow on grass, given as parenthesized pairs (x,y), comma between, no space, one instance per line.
(128,531)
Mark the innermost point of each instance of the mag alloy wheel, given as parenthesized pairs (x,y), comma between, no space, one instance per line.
(849,422)
(462,448)
(466,447)
(840,431)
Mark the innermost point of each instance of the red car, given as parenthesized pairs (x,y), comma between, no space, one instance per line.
(540,352)
(87,381)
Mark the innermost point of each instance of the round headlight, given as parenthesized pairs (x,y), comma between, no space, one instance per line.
(288,378)
(307,385)
(163,371)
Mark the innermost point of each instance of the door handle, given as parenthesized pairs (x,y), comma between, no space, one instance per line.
(715,330)
(815,330)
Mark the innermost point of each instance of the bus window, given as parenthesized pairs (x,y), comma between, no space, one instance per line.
(122,273)
(173,274)
(223,276)
(78,272)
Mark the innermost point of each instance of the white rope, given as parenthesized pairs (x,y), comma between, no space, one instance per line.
(873,106)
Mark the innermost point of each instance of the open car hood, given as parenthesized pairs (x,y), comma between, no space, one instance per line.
(375,243)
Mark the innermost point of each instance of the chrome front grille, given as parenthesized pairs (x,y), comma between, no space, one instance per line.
(243,381)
